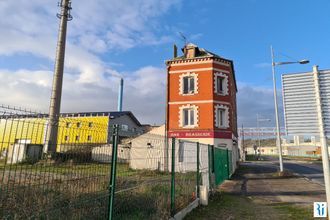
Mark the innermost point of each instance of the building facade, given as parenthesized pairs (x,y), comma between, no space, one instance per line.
(201,98)
(84,128)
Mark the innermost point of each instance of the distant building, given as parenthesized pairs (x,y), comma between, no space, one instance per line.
(202,98)
(85,128)
(129,126)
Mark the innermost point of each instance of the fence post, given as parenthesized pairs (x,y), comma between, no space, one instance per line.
(112,186)
(197,170)
(213,166)
(173,179)
(210,164)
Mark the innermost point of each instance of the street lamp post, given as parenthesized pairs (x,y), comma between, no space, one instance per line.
(278,134)
(258,128)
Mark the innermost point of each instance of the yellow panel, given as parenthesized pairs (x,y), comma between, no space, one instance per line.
(72,131)
(28,130)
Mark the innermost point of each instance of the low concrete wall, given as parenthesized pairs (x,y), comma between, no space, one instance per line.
(103,154)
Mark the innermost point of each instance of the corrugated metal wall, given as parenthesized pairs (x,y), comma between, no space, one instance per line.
(300,108)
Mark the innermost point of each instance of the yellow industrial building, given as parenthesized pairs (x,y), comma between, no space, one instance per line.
(72,130)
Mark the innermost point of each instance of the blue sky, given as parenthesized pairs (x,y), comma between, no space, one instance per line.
(109,38)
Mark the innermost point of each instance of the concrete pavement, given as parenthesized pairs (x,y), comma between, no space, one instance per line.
(308,169)
(258,179)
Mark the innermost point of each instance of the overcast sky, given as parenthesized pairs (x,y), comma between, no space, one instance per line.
(108,39)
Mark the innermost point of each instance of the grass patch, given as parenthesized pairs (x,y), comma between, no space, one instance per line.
(294,212)
(226,206)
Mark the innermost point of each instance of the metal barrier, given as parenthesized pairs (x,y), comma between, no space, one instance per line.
(88,177)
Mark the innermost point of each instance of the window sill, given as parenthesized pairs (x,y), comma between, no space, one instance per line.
(188,94)
(190,126)
(221,94)
(222,127)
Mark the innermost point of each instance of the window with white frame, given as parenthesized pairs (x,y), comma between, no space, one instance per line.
(188,116)
(124,127)
(221,116)
(188,84)
(221,83)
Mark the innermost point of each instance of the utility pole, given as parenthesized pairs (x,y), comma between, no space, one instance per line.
(55,101)
(258,131)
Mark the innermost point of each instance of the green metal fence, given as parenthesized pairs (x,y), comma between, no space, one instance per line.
(66,184)
(147,177)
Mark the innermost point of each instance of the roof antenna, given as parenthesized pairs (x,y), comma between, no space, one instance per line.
(66,5)
(183,38)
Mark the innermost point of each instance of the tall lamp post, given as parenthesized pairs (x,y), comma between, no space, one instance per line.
(260,120)
(278,134)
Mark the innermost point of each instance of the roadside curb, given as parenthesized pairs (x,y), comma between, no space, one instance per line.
(306,178)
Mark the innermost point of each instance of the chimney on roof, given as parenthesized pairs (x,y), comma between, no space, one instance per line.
(190,51)
(175,51)
(120,95)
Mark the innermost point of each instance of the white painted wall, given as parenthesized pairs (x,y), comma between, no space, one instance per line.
(103,153)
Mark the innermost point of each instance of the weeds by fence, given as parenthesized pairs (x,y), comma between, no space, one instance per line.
(151,179)
(35,185)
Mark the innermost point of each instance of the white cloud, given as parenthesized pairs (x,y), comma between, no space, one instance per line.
(144,92)
(253,100)
(90,83)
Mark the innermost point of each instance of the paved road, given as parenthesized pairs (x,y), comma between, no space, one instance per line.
(313,171)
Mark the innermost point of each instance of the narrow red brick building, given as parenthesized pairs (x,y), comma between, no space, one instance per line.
(201,96)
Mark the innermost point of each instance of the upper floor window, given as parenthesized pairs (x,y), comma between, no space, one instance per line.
(221,83)
(188,84)
(124,127)
(68,124)
(221,116)
(188,116)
